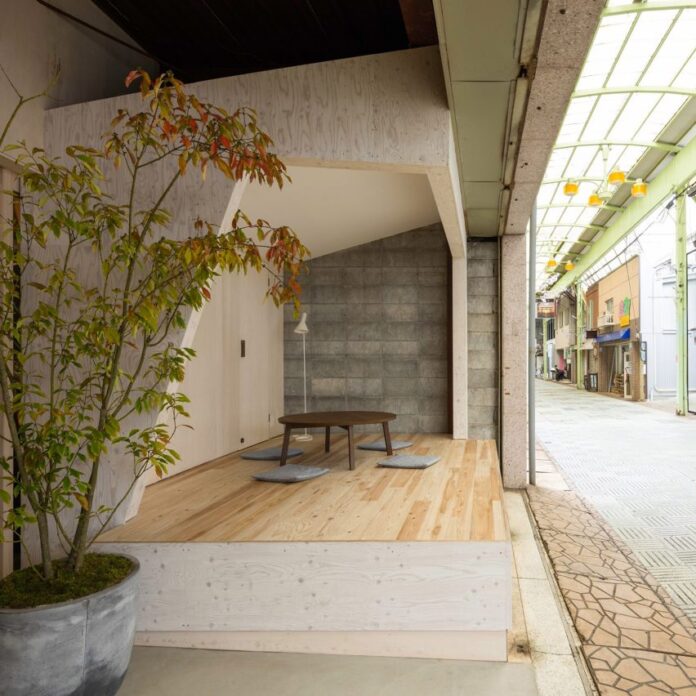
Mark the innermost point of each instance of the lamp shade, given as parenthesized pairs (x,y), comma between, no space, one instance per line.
(301,327)
(594,200)
(570,188)
(569,266)
(639,189)
(616,177)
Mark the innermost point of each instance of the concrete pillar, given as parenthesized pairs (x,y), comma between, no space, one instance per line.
(513,378)
(460,349)
(545,355)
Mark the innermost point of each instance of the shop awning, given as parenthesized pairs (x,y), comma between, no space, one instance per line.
(620,335)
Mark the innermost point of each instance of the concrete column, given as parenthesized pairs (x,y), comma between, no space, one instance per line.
(545,355)
(460,350)
(513,378)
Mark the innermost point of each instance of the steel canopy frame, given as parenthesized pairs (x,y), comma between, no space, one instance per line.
(672,179)
(613,208)
(615,82)
(637,89)
(637,8)
(665,147)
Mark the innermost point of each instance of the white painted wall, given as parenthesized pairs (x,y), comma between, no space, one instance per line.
(658,320)
(235,401)
(34,41)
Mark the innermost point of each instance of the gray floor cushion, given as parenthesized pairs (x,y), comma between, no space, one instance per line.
(379,446)
(271,453)
(409,461)
(291,473)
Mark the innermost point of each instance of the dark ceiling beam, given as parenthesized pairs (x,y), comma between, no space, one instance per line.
(220,38)
(419,20)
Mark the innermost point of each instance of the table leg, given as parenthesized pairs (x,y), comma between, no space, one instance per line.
(327,439)
(387,438)
(286,446)
(351,448)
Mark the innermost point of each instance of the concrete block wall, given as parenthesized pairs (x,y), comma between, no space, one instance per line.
(482,316)
(378,320)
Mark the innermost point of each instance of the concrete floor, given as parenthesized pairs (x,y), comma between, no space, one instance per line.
(637,467)
(179,672)
(541,654)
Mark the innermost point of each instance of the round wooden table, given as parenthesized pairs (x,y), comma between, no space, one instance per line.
(336,419)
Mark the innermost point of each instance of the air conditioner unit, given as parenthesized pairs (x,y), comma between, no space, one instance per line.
(605,320)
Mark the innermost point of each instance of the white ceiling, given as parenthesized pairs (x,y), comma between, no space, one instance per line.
(333,209)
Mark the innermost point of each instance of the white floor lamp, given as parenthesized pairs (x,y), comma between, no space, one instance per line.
(303,330)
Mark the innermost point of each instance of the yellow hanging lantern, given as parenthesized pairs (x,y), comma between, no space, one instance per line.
(639,189)
(551,264)
(569,266)
(594,200)
(616,178)
(570,188)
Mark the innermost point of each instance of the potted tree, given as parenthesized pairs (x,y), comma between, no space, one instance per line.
(95,293)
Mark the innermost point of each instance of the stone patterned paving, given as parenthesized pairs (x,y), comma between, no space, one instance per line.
(634,639)
(641,673)
(637,467)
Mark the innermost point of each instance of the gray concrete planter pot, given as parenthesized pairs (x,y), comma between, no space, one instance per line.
(76,648)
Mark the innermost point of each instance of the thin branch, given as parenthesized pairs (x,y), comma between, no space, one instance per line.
(22,100)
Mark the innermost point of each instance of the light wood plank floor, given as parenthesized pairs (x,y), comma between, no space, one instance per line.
(458,499)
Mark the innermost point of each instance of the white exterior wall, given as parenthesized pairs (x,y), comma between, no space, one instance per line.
(658,313)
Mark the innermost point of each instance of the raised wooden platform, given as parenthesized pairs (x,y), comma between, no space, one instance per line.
(457,499)
(368,562)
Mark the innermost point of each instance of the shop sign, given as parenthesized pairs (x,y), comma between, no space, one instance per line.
(625,318)
(546,309)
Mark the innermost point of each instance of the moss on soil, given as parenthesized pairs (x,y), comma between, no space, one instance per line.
(25,588)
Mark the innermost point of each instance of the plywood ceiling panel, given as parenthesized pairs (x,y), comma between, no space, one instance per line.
(334,209)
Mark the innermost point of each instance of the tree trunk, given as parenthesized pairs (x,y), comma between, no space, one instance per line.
(44,540)
(79,542)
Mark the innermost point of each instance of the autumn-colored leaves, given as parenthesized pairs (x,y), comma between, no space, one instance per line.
(98,331)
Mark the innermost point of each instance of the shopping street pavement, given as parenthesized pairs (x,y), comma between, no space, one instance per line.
(637,467)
